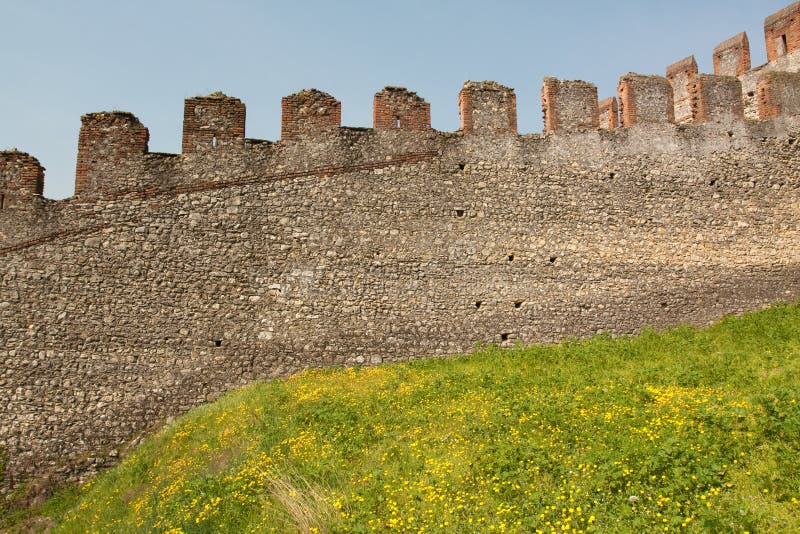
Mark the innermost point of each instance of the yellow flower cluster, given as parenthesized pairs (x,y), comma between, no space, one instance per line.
(482,446)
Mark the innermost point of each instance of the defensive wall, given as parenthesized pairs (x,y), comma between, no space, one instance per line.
(168,279)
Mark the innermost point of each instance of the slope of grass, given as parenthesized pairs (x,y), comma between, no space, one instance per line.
(688,430)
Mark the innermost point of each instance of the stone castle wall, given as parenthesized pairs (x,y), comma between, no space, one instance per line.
(170,279)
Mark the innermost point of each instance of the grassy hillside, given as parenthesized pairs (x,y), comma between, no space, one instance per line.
(693,430)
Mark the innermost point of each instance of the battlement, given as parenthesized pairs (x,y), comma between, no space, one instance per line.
(732,56)
(569,105)
(210,121)
(106,140)
(716,99)
(21,176)
(680,75)
(487,107)
(782,31)
(609,113)
(309,111)
(396,108)
(645,100)
(113,146)
(110,141)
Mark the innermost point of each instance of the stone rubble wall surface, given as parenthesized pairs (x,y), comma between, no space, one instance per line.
(359,247)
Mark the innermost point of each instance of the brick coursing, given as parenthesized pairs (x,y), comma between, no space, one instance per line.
(20,174)
(106,140)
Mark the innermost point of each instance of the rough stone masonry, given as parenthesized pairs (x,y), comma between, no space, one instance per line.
(170,279)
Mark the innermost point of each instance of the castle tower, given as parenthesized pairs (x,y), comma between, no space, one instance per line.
(679,76)
(308,111)
(645,100)
(209,121)
(21,178)
(396,108)
(569,105)
(782,31)
(732,56)
(487,107)
(106,140)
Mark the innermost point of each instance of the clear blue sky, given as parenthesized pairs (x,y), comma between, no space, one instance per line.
(61,59)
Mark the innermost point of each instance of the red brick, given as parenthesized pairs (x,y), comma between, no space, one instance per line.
(209,121)
(308,111)
(782,31)
(396,108)
(106,138)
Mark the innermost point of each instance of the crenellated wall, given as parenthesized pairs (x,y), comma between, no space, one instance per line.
(169,279)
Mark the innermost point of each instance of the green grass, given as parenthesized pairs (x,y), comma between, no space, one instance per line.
(687,430)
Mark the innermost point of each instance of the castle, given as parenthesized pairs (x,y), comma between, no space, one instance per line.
(169,279)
